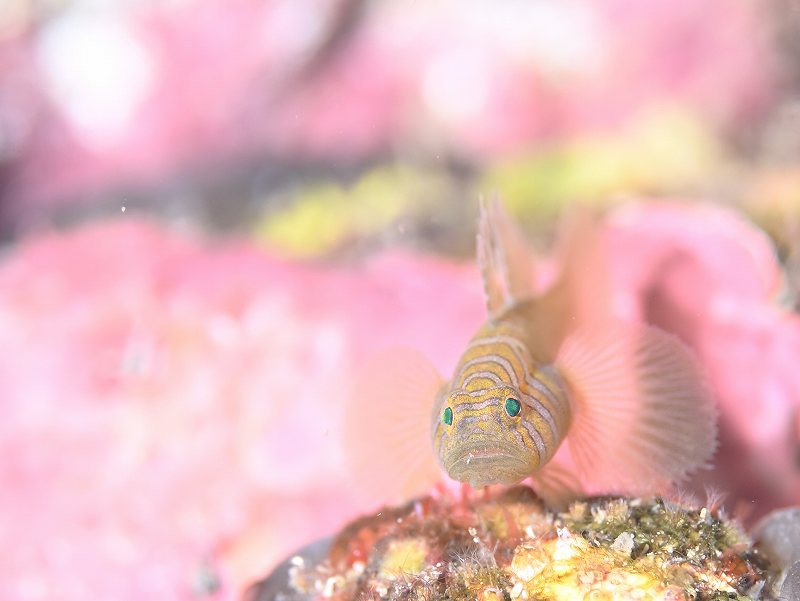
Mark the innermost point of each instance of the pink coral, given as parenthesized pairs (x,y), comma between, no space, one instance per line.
(169,407)
(712,278)
(469,78)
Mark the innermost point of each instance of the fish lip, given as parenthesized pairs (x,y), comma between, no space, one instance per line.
(487,453)
(475,467)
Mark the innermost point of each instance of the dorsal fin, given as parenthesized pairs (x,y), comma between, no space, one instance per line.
(504,258)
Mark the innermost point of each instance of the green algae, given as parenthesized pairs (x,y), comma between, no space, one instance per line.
(658,527)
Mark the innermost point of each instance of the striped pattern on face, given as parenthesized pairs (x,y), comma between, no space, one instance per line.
(497,366)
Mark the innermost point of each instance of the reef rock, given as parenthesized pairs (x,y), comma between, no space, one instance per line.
(509,546)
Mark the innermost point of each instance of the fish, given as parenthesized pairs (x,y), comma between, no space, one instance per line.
(552,389)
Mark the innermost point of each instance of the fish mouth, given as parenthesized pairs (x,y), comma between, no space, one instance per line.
(487,453)
(489,465)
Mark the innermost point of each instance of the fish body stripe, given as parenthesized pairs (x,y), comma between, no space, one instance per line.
(481,375)
(476,406)
(556,399)
(483,365)
(511,355)
(529,400)
(543,379)
(538,441)
(499,357)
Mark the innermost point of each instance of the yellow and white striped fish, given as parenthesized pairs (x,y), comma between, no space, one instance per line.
(504,414)
(629,399)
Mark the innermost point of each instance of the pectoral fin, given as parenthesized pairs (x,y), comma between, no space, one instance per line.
(643,417)
(557,485)
(387,426)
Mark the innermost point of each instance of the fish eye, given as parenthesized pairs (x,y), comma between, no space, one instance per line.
(447,416)
(513,407)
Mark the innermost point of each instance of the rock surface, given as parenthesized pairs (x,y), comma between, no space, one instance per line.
(508,546)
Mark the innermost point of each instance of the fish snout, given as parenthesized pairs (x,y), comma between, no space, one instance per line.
(481,466)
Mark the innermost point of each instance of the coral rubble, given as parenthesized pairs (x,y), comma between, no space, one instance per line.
(508,546)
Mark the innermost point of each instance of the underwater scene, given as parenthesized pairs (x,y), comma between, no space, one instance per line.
(350,300)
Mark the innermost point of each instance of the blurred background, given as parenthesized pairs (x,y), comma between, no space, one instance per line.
(212,210)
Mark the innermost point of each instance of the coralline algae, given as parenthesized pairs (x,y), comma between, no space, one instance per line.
(509,547)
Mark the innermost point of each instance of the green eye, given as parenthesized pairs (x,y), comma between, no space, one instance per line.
(447,416)
(513,407)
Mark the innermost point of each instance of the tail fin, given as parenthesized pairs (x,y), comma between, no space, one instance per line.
(580,297)
(581,294)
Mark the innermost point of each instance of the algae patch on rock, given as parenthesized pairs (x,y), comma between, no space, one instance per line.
(509,546)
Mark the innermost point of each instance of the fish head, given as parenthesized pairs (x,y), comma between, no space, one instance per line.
(480,439)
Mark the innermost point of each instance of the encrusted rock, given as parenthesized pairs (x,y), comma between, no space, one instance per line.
(507,546)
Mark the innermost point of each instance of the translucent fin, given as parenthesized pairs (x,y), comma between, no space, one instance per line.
(505,261)
(584,267)
(557,485)
(387,427)
(643,416)
(580,296)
